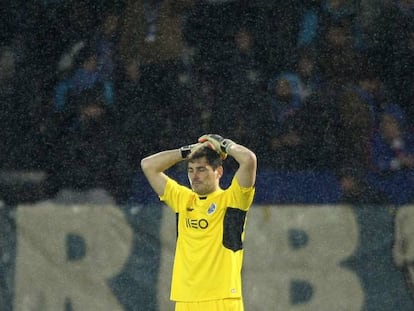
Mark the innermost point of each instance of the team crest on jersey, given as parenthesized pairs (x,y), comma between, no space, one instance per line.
(212,209)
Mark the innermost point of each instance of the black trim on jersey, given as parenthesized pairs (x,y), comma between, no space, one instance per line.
(233,228)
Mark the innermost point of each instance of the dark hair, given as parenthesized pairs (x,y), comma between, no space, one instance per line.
(213,158)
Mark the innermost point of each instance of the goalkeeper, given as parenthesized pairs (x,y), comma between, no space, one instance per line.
(211,221)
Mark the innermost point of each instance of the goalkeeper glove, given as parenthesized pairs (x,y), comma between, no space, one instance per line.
(221,145)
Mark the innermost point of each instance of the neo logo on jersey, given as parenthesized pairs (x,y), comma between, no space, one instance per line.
(196,223)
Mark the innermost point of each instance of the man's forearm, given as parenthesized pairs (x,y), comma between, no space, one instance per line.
(246,173)
(161,161)
(241,154)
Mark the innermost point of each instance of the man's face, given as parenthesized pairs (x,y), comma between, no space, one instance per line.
(203,178)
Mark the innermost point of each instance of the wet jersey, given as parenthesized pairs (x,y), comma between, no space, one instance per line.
(209,249)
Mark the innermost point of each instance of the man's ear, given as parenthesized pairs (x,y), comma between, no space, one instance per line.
(220,171)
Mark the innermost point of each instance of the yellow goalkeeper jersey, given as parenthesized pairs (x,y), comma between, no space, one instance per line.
(210,233)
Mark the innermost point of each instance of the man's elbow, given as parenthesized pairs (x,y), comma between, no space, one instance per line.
(250,159)
(145,164)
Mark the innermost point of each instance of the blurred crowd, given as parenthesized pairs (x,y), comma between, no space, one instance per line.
(88,88)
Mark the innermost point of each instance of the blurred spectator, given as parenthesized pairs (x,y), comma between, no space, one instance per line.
(208,29)
(242,64)
(278,27)
(204,102)
(294,125)
(393,144)
(99,33)
(308,70)
(241,84)
(391,34)
(77,21)
(245,55)
(286,141)
(129,89)
(76,26)
(353,129)
(89,152)
(66,61)
(106,41)
(371,90)
(359,104)
(309,24)
(286,96)
(85,76)
(338,9)
(133,111)
(68,22)
(153,33)
(339,62)
(401,79)
(392,159)
(338,56)
(315,14)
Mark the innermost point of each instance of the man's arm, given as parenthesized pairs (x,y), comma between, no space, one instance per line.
(246,173)
(154,166)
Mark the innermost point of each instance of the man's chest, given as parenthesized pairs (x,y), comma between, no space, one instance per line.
(202,215)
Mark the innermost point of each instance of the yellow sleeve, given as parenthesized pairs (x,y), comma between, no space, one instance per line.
(241,195)
(174,194)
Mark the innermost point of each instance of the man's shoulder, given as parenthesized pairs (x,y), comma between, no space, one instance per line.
(174,185)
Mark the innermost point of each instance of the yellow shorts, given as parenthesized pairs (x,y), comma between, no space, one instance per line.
(230,304)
